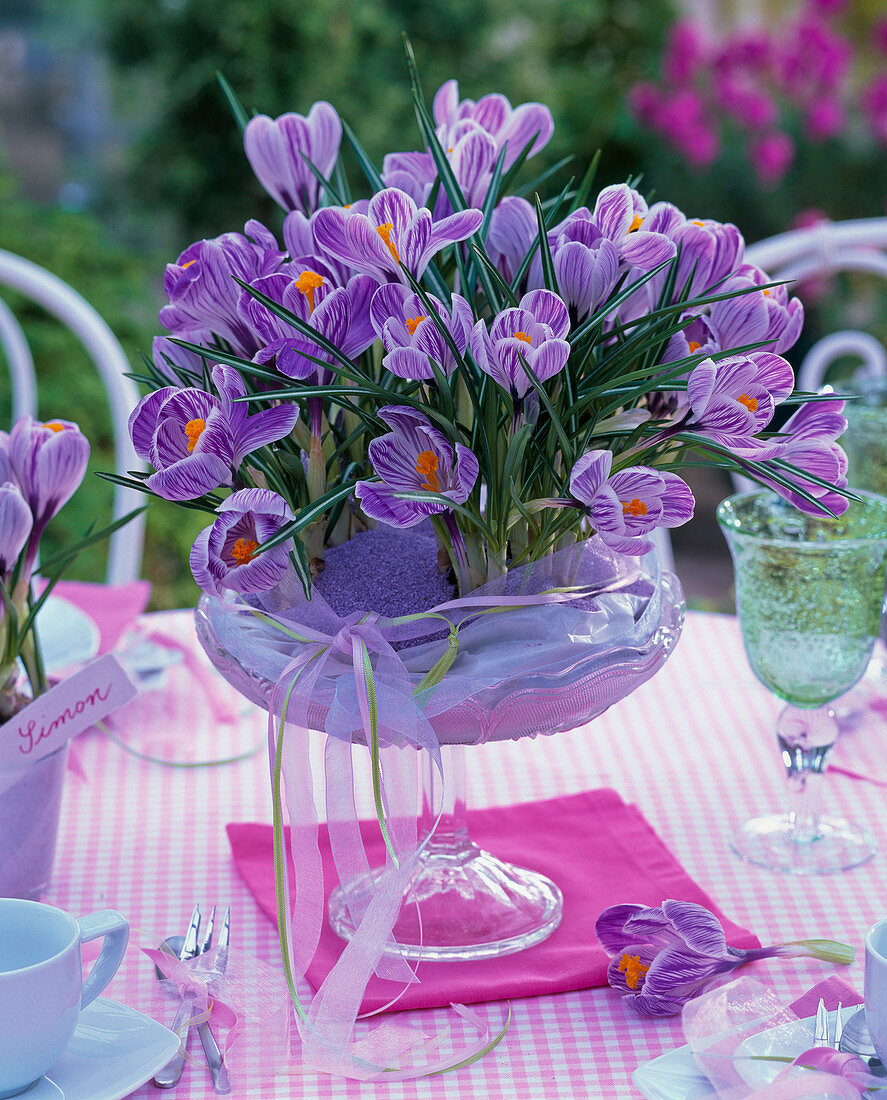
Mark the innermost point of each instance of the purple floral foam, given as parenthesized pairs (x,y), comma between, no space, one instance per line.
(392,572)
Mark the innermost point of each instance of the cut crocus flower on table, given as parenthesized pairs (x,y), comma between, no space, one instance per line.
(662,957)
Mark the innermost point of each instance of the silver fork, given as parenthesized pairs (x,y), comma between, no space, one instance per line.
(821,1027)
(214,1057)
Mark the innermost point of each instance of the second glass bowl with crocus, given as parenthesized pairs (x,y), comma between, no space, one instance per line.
(437,423)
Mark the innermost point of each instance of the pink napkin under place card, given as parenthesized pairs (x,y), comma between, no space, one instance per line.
(112,607)
(598,849)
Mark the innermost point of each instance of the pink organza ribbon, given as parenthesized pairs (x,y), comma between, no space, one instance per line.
(360,683)
(736,1029)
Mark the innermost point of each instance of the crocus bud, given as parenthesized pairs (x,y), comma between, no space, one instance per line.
(49,461)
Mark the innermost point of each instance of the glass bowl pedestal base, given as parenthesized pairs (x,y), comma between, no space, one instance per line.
(463,903)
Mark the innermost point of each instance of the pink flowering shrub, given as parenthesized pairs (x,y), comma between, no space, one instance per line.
(802,78)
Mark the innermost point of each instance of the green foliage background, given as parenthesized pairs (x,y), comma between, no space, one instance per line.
(176,170)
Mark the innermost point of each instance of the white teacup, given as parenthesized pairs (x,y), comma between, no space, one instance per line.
(41,984)
(876,986)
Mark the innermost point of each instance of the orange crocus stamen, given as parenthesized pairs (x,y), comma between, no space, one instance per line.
(693,346)
(766,293)
(633,969)
(697,222)
(384,232)
(636,222)
(188,264)
(412,323)
(634,507)
(193,430)
(523,336)
(244,550)
(309,282)
(427,463)
(751,403)
(54,426)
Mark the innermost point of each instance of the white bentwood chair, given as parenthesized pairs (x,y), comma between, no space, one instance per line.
(73,311)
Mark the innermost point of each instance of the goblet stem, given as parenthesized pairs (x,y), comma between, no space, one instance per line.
(806,739)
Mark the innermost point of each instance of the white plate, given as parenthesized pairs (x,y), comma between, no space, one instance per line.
(672,1076)
(675,1076)
(68,636)
(115,1049)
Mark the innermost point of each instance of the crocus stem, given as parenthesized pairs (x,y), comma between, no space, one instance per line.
(458,555)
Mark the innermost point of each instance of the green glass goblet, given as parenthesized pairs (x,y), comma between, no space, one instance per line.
(809,591)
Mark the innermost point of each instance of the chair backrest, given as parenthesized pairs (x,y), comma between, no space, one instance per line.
(73,311)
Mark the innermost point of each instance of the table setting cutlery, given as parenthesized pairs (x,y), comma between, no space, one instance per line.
(185,948)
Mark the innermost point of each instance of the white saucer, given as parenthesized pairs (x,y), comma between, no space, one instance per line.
(115,1049)
(68,636)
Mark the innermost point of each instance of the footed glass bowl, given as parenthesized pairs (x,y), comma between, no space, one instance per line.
(519,673)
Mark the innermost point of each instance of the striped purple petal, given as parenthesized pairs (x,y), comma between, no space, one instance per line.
(275,148)
(380,503)
(16,522)
(609,926)
(697,926)
(190,477)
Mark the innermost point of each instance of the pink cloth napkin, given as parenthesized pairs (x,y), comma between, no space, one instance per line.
(833,991)
(112,607)
(598,849)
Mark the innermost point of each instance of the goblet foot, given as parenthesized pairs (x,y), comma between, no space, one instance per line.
(462,904)
(774,842)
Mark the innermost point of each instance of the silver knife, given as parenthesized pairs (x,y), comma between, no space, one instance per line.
(168,1077)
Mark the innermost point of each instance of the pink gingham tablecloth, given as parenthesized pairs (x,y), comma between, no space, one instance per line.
(694,748)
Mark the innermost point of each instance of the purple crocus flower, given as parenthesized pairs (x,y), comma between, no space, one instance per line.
(472,154)
(414,456)
(622,216)
(277,147)
(664,956)
(512,231)
(340,314)
(393,235)
(733,399)
(226,555)
(473,136)
(196,441)
(710,252)
(16,522)
(808,440)
(509,127)
(534,332)
(751,317)
(626,506)
(201,287)
(410,335)
(298,239)
(587,263)
(48,461)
